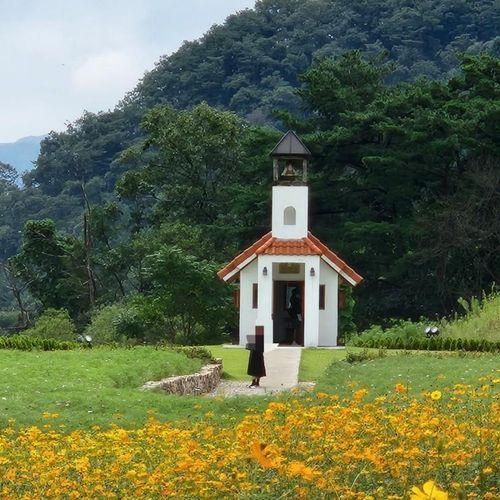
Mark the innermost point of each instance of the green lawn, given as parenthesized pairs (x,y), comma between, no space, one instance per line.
(101,386)
(418,370)
(314,362)
(234,361)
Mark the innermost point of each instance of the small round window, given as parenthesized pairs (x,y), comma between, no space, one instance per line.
(289,216)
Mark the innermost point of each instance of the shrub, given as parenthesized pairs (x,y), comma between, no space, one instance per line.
(424,343)
(53,324)
(102,327)
(25,343)
(196,352)
(142,319)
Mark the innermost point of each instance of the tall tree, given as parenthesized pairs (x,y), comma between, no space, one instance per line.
(53,266)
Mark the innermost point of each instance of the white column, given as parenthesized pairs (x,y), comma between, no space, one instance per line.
(265,299)
(311,306)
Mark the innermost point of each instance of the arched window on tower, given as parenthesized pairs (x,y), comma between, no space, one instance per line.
(289,216)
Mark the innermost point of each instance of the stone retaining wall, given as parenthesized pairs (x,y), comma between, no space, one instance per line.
(203,382)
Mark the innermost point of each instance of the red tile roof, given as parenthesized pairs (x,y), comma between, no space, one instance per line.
(243,256)
(269,245)
(276,246)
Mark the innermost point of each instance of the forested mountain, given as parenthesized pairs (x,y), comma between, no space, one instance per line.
(251,65)
(147,200)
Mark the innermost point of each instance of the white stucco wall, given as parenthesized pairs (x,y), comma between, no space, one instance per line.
(248,315)
(320,327)
(290,196)
(311,295)
(328,318)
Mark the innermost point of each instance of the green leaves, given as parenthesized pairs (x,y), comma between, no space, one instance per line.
(53,265)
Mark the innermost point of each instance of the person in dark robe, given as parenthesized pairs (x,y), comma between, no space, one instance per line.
(295,312)
(256,366)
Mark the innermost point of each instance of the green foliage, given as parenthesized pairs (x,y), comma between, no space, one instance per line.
(477,330)
(193,159)
(53,324)
(29,343)
(416,181)
(53,266)
(196,304)
(481,320)
(141,319)
(384,340)
(404,184)
(196,352)
(102,327)
(8,319)
(347,326)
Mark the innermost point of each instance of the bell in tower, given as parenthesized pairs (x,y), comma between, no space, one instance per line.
(290,161)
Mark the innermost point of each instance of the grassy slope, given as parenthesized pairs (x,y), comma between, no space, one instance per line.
(101,387)
(84,387)
(314,362)
(419,371)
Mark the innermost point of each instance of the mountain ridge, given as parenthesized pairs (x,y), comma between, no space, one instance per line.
(21,153)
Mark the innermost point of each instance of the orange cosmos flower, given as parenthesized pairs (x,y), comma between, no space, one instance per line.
(258,452)
(297,468)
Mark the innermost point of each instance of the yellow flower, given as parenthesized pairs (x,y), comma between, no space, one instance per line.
(435,395)
(430,490)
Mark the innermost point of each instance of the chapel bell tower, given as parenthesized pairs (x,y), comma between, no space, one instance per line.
(288,280)
(290,192)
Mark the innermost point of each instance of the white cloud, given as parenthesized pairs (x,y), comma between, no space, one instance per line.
(108,74)
(59,57)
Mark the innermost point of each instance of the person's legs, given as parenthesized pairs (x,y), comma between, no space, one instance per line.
(255,382)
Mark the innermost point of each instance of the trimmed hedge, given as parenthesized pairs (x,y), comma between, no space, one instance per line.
(426,344)
(25,343)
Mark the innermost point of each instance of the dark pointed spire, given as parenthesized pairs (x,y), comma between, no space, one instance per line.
(290,145)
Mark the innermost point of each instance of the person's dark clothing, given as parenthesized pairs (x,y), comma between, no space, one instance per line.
(295,308)
(256,366)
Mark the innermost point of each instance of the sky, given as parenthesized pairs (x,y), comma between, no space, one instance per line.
(61,57)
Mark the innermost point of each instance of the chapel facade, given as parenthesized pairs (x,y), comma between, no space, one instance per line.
(288,279)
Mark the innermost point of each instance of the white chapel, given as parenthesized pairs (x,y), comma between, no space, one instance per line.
(288,279)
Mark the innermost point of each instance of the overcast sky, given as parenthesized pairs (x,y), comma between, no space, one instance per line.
(60,57)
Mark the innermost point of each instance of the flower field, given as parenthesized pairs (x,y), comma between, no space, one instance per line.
(438,445)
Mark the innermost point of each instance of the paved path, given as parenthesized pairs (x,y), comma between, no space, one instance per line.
(282,368)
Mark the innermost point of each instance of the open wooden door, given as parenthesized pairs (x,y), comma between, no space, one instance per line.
(288,327)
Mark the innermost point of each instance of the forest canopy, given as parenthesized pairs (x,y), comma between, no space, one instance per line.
(405,178)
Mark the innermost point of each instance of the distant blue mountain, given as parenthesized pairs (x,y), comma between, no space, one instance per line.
(22,153)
